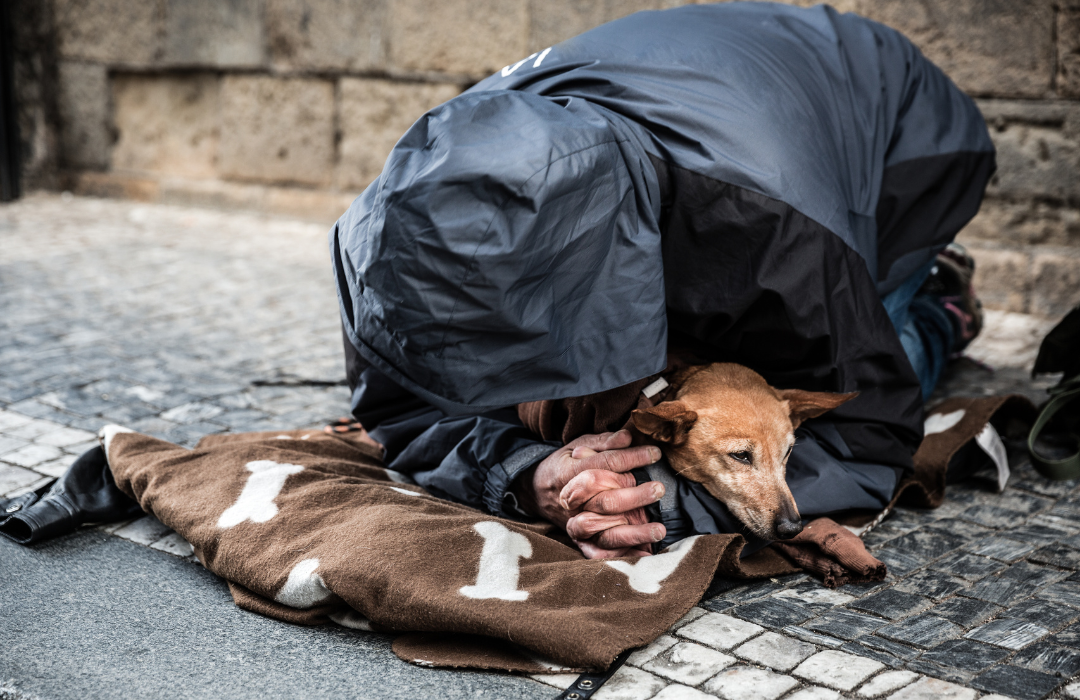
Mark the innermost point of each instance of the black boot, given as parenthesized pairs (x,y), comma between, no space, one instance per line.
(86,493)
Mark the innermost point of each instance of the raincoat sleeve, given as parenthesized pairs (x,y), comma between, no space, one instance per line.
(466,459)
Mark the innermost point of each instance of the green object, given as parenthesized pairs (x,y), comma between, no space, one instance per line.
(1059,352)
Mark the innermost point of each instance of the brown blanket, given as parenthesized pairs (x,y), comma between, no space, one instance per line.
(309,528)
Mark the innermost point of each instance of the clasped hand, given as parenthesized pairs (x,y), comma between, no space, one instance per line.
(586,488)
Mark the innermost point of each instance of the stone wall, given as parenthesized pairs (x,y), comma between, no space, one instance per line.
(293,105)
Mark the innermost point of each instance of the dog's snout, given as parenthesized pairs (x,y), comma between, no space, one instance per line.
(788,523)
(786,529)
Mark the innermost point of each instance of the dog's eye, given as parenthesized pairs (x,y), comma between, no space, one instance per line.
(744,457)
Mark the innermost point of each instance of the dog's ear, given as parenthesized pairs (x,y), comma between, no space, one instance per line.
(667,422)
(804,405)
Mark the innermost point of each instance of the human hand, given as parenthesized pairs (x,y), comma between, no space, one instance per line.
(585,487)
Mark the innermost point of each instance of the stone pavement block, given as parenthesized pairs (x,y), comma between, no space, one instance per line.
(844,624)
(932,584)
(966,611)
(1072,690)
(891,604)
(32,486)
(166,124)
(1008,633)
(276,130)
(10,444)
(57,467)
(965,654)
(475,37)
(31,455)
(1066,592)
(813,595)
(773,612)
(899,563)
(719,631)
(64,437)
(682,692)
(659,645)
(32,430)
(814,693)
(144,531)
(373,115)
(859,648)
(630,684)
(83,102)
(1000,548)
(945,673)
(775,651)
(1049,658)
(1044,613)
(993,516)
(968,566)
(113,31)
(192,413)
(10,419)
(214,34)
(327,34)
(748,683)
(886,682)
(1016,682)
(732,592)
(174,544)
(813,637)
(695,613)
(688,663)
(837,670)
(923,631)
(555,680)
(933,689)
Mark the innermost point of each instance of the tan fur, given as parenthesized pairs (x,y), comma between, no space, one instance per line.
(721,411)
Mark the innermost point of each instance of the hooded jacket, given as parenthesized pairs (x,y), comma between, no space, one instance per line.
(746,180)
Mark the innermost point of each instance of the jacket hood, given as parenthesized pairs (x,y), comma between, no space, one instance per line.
(508,252)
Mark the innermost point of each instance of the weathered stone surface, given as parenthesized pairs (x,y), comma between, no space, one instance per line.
(923,631)
(1002,278)
(965,654)
(552,21)
(677,692)
(1056,283)
(1035,160)
(1008,633)
(966,611)
(886,682)
(688,663)
(933,689)
(1016,682)
(719,631)
(775,651)
(84,115)
(838,670)
(218,33)
(748,683)
(113,31)
(1068,50)
(1049,658)
(892,604)
(1027,222)
(986,47)
(629,684)
(472,37)
(373,115)
(166,124)
(774,613)
(327,34)
(277,130)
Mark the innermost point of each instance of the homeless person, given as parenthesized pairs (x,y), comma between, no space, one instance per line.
(756,183)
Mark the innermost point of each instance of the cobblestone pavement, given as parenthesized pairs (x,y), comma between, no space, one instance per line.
(182,322)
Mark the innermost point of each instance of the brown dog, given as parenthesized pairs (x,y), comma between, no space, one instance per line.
(728,430)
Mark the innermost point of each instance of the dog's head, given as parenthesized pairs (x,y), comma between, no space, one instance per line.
(728,430)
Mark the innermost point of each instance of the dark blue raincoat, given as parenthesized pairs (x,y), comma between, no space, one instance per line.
(746,180)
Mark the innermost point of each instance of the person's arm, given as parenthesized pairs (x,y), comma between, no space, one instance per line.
(475,460)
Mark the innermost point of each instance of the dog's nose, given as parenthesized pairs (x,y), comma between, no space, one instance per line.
(786,529)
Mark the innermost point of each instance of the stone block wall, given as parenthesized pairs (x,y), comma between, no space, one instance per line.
(293,105)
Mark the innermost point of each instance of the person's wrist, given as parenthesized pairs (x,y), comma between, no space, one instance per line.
(525,492)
